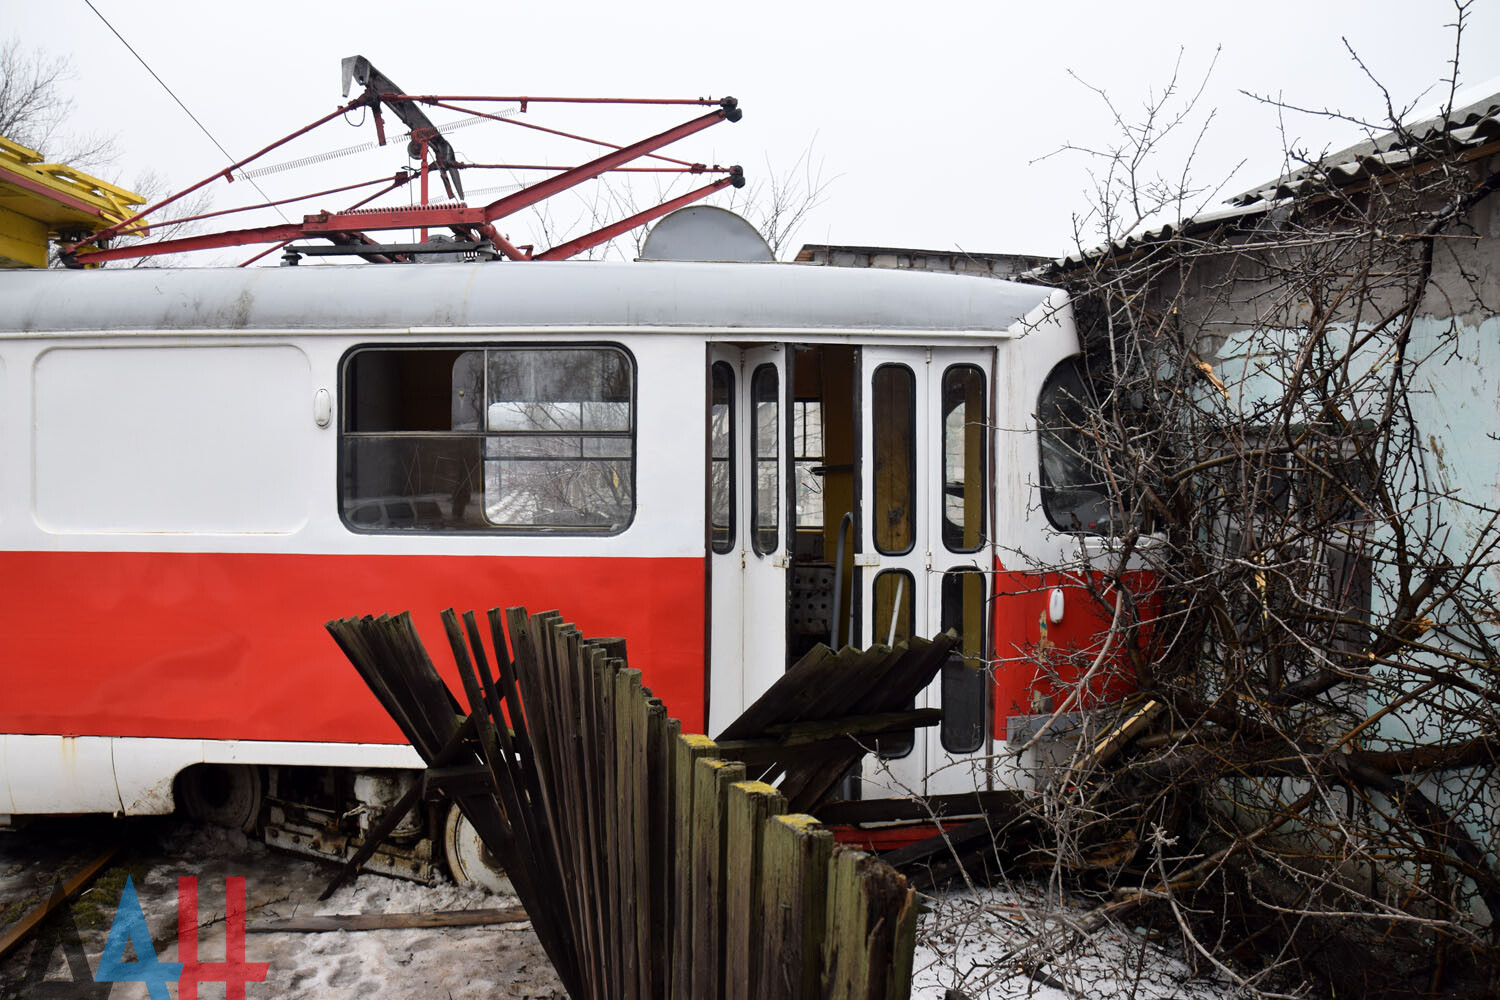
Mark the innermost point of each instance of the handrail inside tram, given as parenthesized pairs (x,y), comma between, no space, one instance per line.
(847,521)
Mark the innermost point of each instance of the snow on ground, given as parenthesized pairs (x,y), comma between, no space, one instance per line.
(464,963)
(964,941)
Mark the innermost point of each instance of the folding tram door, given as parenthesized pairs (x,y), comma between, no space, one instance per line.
(746,527)
(925,549)
(849,498)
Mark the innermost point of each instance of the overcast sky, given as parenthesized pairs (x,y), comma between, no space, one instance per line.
(932,122)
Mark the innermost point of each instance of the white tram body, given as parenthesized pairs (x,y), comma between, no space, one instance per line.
(201,466)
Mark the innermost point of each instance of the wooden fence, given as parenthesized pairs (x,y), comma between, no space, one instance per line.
(650,863)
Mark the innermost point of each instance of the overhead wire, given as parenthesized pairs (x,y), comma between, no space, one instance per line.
(174,97)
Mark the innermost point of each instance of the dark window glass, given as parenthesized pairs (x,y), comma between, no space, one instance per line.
(895,601)
(964,438)
(963,676)
(893,426)
(489,439)
(721,450)
(765,445)
(1074,496)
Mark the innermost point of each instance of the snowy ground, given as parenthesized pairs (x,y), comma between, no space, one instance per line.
(959,942)
(501,960)
(963,942)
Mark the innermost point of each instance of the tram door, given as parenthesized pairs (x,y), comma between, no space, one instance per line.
(748,527)
(925,548)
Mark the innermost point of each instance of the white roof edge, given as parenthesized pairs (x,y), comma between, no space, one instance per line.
(538,296)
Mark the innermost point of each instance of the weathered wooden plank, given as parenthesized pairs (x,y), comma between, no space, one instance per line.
(999,804)
(711,781)
(903,949)
(658,865)
(869,909)
(794,877)
(690,748)
(624,847)
(384,921)
(819,667)
(641,849)
(789,741)
(668,886)
(751,803)
(845,959)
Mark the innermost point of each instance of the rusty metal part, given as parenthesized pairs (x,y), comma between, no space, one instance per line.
(61,893)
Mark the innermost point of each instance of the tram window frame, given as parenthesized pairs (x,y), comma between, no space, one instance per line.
(974,689)
(887,516)
(458,451)
(721,518)
(765,533)
(1061,450)
(953,532)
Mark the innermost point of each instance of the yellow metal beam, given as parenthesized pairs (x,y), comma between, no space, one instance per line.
(38,200)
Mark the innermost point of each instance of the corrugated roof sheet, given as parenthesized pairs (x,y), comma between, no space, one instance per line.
(1469,125)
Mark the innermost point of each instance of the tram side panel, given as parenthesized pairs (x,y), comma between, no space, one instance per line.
(172,537)
(1047,626)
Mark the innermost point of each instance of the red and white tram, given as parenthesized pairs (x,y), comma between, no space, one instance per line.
(724,463)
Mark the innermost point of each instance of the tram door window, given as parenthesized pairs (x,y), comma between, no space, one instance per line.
(765,437)
(894,448)
(964,684)
(721,474)
(964,421)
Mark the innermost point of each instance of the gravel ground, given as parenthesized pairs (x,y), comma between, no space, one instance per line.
(502,960)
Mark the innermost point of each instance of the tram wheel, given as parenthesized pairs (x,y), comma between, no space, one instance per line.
(227,795)
(469,858)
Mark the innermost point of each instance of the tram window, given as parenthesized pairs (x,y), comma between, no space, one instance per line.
(807,438)
(764,443)
(533,439)
(963,458)
(893,425)
(963,676)
(1074,496)
(895,600)
(721,444)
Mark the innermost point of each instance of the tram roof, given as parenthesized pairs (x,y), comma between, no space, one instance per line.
(757,298)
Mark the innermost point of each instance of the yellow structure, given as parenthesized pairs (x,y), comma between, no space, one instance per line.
(39,201)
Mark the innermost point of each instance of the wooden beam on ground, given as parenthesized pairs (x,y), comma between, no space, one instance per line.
(388,921)
(1003,805)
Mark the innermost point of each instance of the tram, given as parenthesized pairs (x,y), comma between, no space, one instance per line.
(725,463)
